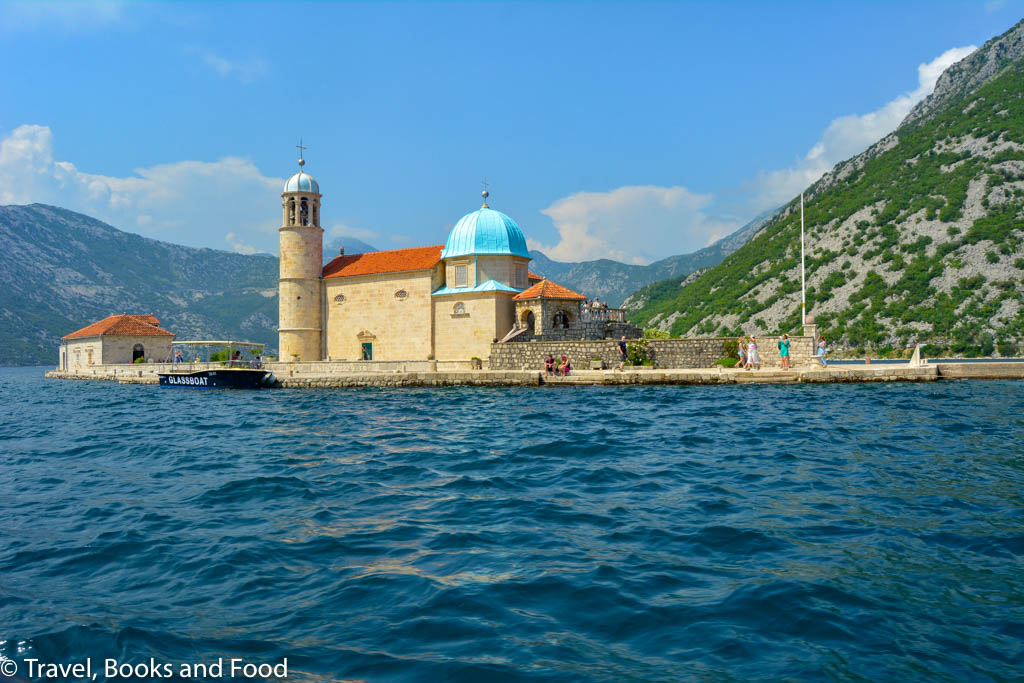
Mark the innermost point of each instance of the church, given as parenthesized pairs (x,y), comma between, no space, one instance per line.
(444,302)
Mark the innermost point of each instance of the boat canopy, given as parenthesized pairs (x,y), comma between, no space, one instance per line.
(214,342)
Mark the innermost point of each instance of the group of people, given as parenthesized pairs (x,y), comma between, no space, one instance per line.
(750,357)
(557,368)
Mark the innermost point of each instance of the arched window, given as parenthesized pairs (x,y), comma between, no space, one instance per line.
(304,212)
(138,352)
(459,309)
(291,212)
(316,215)
(561,320)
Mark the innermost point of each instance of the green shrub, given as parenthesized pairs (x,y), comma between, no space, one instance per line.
(1007,349)
(637,353)
(140,359)
(731,347)
(991,257)
(1019,264)
(655,333)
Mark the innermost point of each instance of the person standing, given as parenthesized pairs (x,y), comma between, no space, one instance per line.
(741,352)
(821,351)
(753,359)
(623,353)
(784,351)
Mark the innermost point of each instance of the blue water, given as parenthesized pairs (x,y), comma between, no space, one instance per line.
(827,532)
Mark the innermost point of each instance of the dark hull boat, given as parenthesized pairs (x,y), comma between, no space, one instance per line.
(226,378)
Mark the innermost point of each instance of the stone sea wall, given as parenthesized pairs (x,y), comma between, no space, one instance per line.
(665,353)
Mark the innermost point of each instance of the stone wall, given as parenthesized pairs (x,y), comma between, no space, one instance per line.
(665,353)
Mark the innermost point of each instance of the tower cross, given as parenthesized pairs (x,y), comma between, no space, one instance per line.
(300,147)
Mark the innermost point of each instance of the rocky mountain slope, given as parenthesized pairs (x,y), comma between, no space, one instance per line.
(62,270)
(918,239)
(612,281)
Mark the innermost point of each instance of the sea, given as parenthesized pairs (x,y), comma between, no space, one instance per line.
(843,532)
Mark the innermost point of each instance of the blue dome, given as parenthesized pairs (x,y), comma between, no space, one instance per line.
(302,182)
(485,231)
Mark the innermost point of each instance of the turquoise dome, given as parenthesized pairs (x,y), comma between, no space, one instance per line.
(485,231)
(302,182)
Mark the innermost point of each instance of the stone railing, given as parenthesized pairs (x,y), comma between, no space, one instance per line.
(613,315)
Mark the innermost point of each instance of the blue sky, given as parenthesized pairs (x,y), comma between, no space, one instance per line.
(623,130)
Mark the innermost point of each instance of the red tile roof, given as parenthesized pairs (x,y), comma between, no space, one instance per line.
(124,325)
(533,277)
(546,289)
(394,261)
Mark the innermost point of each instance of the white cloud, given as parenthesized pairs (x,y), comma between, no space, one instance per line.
(237,246)
(845,137)
(73,17)
(245,70)
(181,202)
(635,224)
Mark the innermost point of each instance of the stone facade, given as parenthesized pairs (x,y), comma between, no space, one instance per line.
(300,287)
(466,325)
(665,353)
(389,311)
(87,352)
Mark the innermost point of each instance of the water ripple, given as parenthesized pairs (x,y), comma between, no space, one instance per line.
(854,532)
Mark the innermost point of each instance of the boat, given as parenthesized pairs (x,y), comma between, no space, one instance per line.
(230,374)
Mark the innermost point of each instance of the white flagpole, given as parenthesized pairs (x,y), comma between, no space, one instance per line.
(803,284)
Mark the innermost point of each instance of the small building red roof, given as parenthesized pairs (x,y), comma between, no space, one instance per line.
(546,289)
(394,261)
(123,325)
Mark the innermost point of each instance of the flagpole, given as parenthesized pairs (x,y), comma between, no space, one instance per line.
(803,284)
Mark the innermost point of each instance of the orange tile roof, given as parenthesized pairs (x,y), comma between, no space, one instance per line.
(394,261)
(546,289)
(533,276)
(125,325)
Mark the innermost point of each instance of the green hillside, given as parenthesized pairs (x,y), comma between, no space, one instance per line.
(916,241)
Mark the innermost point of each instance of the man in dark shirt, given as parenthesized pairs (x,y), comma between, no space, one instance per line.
(623,354)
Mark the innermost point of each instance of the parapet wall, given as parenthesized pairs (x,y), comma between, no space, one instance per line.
(665,353)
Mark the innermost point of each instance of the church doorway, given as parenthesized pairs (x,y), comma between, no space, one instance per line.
(529,321)
(138,352)
(367,350)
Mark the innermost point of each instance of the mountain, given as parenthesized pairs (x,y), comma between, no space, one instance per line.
(612,281)
(62,270)
(351,245)
(918,239)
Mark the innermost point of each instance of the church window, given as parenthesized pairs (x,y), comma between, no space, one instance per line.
(339,299)
(304,212)
(316,215)
(401,294)
(459,309)
(291,212)
(461,276)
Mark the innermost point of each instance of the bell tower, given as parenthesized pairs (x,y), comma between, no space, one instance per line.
(299,285)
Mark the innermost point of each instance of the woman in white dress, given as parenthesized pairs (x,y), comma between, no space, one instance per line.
(753,358)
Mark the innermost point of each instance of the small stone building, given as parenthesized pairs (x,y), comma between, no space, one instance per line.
(116,339)
(548,309)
